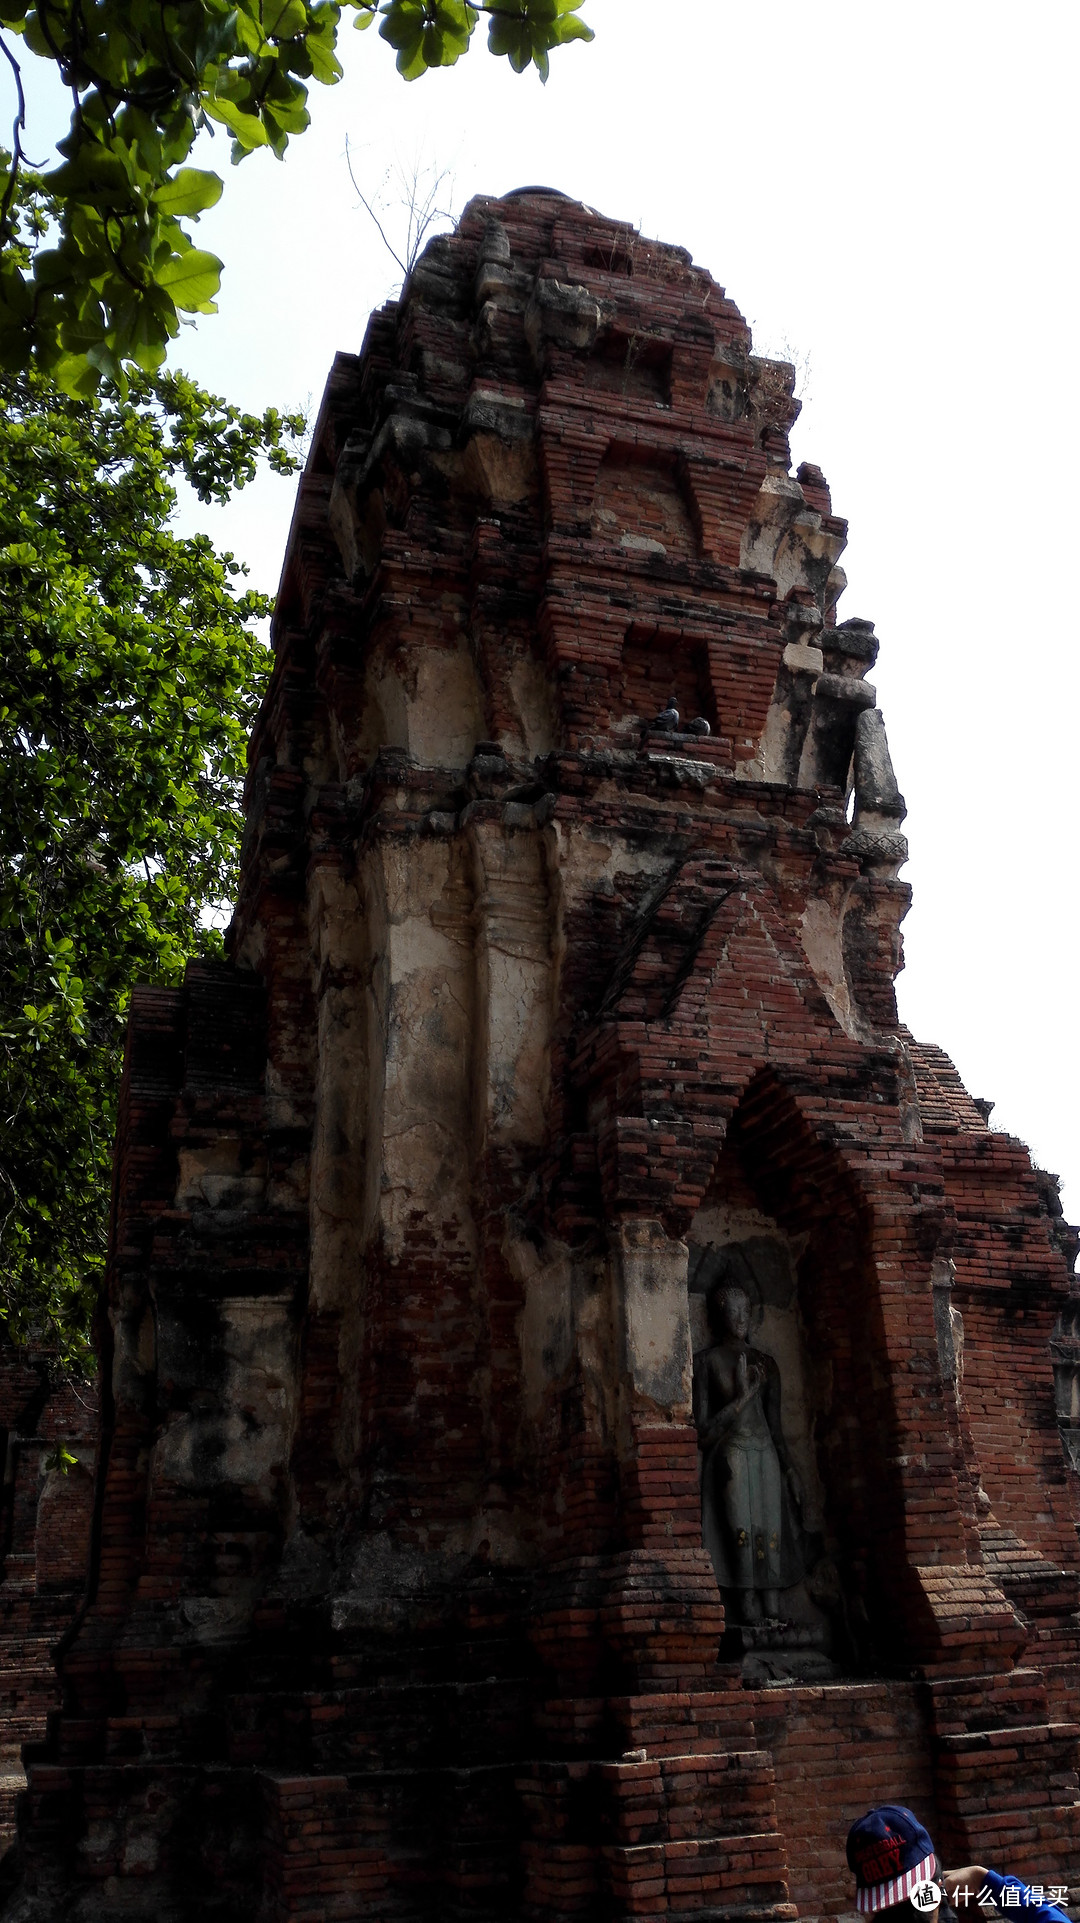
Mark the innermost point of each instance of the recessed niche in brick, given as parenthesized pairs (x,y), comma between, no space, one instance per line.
(635,365)
(640,504)
(659,665)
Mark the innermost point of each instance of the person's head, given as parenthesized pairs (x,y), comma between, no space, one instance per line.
(894,1863)
(731,1312)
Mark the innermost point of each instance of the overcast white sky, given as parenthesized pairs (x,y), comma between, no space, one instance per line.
(891,191)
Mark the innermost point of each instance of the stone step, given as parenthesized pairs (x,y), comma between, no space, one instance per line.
(1011,1740)
(683,1722)
(705,1876)
(1001,1765)
(965,1705)
(1028,1837)
(659,1800)
(673,1798)
(1036,1586)
(671,1723)
(1062,1685)
(673,1876)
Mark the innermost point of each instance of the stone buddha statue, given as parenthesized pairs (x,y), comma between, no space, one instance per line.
(749,1490)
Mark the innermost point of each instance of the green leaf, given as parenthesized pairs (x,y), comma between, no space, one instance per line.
(512,39)
(16,299)
(284,19)
(286,103)
(249,33)
(456,22)
(191,280)
(571,28)
(217,36)
(247,128)
(77,376)
(426,36)
(411,62)
(99,175)
(34,35)
(325,65)
(403,24)
(189,191)
(85,331)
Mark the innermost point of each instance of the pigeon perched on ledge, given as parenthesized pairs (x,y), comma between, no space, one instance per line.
(699,725)
(667,721)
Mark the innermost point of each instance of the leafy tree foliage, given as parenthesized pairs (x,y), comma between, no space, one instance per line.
(106,291)
(129,672)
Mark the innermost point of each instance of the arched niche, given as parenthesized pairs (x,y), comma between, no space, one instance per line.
(782,1220)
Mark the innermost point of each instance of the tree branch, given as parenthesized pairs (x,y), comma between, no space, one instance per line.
(18,128)
(368,208)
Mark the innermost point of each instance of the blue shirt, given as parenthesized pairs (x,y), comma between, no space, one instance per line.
(1027,1901)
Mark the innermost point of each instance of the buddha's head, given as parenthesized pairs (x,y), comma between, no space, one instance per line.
(729,1313)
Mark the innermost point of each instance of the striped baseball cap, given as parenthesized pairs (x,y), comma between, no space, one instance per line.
(892,1857)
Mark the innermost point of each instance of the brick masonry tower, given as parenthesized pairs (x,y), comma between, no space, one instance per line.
(560,1003)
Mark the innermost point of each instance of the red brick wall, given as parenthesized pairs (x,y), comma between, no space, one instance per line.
(837,1750)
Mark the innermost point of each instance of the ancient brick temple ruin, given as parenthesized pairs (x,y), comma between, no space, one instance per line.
(558,1046)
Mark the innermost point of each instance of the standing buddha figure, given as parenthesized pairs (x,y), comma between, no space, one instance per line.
(749,1490)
